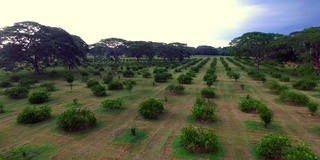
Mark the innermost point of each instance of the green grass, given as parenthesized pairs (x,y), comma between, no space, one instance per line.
(125,136)
(316,130)
(102,110)
(216,122)
(28,152)
(259,126)
(71,104)
(180,152)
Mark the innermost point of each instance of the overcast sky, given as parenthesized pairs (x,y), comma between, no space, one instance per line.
(195,22)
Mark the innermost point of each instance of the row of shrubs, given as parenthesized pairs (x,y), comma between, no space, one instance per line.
(210,76)
(289,96)
(236,63)
(249,104)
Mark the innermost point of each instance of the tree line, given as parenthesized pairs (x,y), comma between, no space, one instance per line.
(32,45)
(299,47)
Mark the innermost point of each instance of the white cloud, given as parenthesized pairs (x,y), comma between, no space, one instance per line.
(192,22)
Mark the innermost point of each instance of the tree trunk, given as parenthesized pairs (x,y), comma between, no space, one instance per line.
(257,64)
(36,68)
(316,62)
(138,59)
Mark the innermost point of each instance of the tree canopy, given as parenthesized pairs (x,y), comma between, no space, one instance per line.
(32,44)
(254,44)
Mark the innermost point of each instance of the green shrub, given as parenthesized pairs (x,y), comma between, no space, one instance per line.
(285,79)
(160,70)
(210,77)
(30,115)
(112,103)
(99,90)
(184,79)
(2,108)
(17,92)
(208,93)
(27,83)
(161,77)
(5,84)
(200,101)
(191,73)
(129,81)
(250,104)
(96,73)
(236,76)
(256,75)
(146,74)
(177,89)
(128,73)
(304,84)
(107,79)
(91,83)
(277,87)
(312,107)
(76,120)
(151,108)
(115,85)
(276,75)
(48,86)
(273,147)
(293,97)
(38,97)
(15,78)
(203,112)
(265,115)
(198,140)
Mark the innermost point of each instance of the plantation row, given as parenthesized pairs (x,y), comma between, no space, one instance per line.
(192,138)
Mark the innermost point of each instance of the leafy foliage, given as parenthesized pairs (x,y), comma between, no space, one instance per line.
(184,79)
(17,92)
(115,85)
(249,104)
(2,108)
(198,140)
(34,114)
(91,83)
(151,108)
(5,84)
(112,103)
(203,112)
(107,79)
(99,90)
(48,86)
(76,120)
(304,85)
(146,74)
(177,89)
(128,73)
(312,107)
(275,147)
(266,115)
(277,87)
(208,93)
(294,97)
(38,97)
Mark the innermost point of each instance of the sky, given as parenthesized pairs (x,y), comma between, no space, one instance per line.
(194,22)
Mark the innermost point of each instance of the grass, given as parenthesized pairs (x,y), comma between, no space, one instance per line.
(316,130)
(72,104)
(125,136)
(180,152)
(259,126)
(111,138)
(28,152)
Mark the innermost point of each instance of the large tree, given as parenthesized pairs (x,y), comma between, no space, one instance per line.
(114,46)
(307,43)
(30,43)
(254,44)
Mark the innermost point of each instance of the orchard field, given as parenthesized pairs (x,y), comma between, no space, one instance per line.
(238,133)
